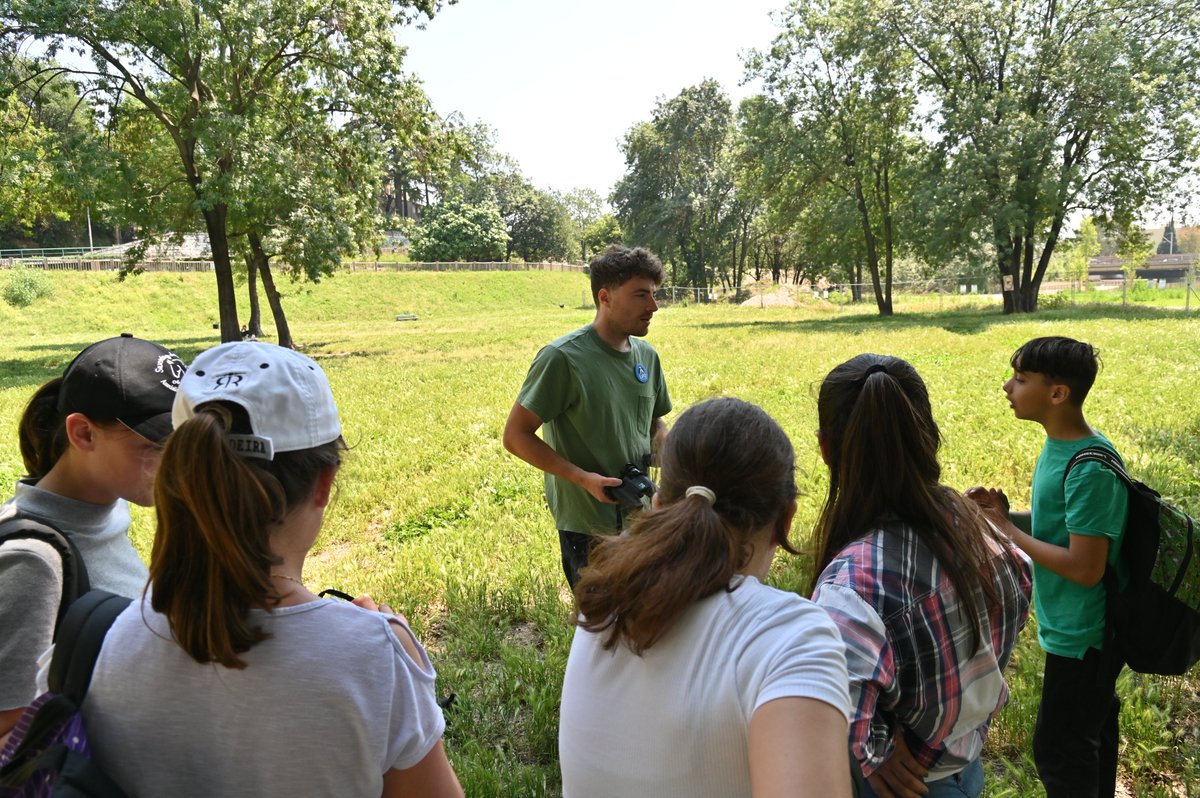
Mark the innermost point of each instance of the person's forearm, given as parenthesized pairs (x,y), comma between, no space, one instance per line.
(1060,560)
(539,454)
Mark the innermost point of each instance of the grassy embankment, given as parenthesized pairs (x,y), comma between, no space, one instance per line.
(432,515)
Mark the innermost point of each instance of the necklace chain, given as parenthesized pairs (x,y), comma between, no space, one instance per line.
(289,578)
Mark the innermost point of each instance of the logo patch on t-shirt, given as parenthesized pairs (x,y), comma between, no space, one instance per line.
(641,373)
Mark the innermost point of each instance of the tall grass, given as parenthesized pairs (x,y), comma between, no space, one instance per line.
(434,517)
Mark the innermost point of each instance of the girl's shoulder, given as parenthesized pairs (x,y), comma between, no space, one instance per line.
(350,631)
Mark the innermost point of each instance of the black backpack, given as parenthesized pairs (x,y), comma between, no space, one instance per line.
(47,753)
(1154,623)
(75,575)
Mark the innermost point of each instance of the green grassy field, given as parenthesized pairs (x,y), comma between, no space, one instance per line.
(433,516)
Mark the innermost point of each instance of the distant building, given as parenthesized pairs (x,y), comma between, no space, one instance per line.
(1172,268)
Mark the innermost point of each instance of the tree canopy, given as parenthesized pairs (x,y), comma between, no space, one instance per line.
(261,102)
(454,230)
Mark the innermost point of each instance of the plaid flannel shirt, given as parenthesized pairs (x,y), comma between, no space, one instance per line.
(909,648)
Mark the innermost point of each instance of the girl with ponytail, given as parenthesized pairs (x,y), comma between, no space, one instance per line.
(231,677)
(91,441)
(928,595)
(687,675)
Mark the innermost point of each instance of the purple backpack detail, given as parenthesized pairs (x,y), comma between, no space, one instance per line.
(47,753)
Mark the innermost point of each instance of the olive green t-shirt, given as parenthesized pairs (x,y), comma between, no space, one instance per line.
(1093,501)
(597,406)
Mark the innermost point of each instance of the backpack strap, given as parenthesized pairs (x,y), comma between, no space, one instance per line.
(82,635)
(75,576)
(1106,458)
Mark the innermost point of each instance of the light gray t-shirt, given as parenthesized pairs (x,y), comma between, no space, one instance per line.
(323,707)
(31,578)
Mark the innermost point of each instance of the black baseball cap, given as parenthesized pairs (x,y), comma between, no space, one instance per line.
(124,379)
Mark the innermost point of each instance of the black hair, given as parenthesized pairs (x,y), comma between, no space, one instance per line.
(1060,360)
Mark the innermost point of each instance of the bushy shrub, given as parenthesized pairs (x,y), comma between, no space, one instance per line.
(24,286)
(455,231)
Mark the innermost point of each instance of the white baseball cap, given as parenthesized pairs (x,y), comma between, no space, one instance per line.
(285,394)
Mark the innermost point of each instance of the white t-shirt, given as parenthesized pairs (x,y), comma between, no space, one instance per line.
(323,708)
(676,721)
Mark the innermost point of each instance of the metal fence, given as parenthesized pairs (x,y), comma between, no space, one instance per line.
(84,264)
(94,264)
(458,266)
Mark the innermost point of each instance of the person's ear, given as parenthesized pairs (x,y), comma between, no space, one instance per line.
(603,297)
(656,500)
(323,488)
(81,432)
(823,444)
(1060,393)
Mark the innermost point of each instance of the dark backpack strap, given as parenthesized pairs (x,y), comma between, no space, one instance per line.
(1105,457)
(75,576)
(80,638)
(78,776)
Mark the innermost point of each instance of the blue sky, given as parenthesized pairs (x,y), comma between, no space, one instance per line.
(562,80)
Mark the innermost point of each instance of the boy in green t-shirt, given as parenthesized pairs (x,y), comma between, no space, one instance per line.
(1077,526)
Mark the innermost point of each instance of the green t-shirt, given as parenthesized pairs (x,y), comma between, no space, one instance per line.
(1093,501)
(597,406)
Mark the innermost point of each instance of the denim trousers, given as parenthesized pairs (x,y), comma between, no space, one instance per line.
(1077,734)
(966,783)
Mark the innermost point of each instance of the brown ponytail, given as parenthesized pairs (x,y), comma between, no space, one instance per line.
(42,433)
(636,586)
(212,559)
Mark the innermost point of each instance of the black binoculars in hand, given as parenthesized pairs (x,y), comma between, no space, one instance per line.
(634,485)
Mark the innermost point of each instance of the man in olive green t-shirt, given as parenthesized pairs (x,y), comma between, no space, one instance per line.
(600,394)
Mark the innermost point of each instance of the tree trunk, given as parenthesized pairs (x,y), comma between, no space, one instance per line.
(254,325)
(218,242)
(264,266)
(884,304)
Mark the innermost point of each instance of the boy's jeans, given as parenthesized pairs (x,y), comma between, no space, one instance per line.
(967,783)
(1075,742)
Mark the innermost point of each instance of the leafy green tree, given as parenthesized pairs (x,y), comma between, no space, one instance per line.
(585,208)
(837,117)
(600,234)
(212,74)
(1039,108)
(678,188)
(47,143)
(1084,247)
(540,228)
(1134,249)
(455,231)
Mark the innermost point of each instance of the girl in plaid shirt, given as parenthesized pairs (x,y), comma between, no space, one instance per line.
(928,595)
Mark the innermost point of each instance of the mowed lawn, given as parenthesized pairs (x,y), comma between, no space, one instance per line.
(433,516)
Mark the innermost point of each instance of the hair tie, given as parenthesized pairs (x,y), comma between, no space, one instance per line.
(876,367)
(703,492)
(223,414)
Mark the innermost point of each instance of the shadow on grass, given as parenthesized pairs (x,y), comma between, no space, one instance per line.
(966,321)
(48,360)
